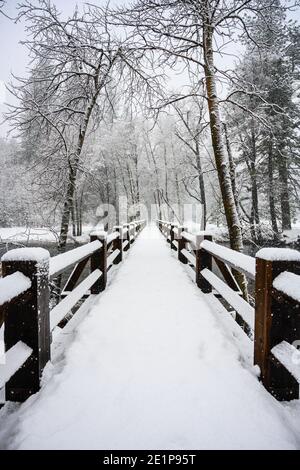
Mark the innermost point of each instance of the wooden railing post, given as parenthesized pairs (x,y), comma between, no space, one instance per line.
(27,319)
(99,261)
(181,245)
(118,244)
(132,232)
(172,237)
(276,320)
(135,231)
(127,236)
(168,233)
(203,260)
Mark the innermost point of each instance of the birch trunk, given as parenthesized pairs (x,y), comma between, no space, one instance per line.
(201,186)
(232,217)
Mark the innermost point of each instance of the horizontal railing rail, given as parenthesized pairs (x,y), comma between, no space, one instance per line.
(28,322)
(60,263)
(272,319)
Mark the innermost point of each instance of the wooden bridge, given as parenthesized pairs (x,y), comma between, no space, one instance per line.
(26,316)
(272,319)
(141,344)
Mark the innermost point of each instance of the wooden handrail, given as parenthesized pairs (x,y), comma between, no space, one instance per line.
(234,259)
(59,312)
(28,319)
(15,357)
(63,261)
(274,320)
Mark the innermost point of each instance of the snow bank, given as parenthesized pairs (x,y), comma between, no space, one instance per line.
(289,284)
(39,234)
(278,254)
(13,285)
(26,254)
(25,234)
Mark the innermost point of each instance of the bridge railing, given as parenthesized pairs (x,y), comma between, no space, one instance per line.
(271,318)
(25,313)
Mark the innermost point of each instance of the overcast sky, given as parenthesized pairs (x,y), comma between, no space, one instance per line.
(13,56)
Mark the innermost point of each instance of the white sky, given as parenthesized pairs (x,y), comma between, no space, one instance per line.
(14,57)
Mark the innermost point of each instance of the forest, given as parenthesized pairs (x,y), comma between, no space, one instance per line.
(160,102)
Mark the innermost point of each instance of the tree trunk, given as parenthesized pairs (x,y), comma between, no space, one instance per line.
(64,228)
(178,198)
(254,201)
(231,167)
(284,193)
(73,168)
(254,190)
(166,181)
(201,186)
(271,191)
(232,217)
(73,218)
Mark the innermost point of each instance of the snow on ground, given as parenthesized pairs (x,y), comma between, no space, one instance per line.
(152,367)
(38,235)
(25,234)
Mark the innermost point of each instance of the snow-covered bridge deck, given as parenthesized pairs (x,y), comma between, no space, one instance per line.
(153,366)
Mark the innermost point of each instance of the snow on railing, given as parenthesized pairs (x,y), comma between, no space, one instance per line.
(38,255)
(112,257)
(59,312)
(233,298)
(189,237)
(289,357)
(235,259)
(60,263)
(12,286)
(175,231)
(189,256)
(112,237)
(14,359)
(288,284)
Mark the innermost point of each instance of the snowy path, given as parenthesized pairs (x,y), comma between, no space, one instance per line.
(153,367)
